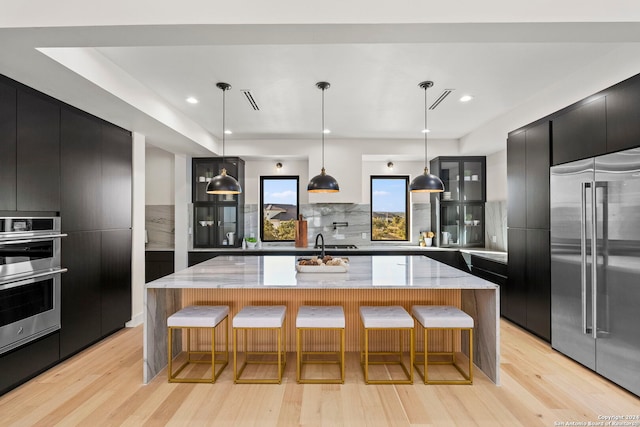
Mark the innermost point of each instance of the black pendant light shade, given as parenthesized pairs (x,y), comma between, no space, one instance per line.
(223,183)
(323,183)
(426,183)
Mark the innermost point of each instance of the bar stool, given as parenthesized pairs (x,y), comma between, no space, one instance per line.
(252,317)
(443,318)
(199,317)
(391,318)
(312,318)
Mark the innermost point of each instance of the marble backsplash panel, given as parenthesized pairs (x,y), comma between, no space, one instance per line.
(496,225)
(321,216)
(160,225)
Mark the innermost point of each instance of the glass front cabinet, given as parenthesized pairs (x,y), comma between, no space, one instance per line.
(218,219)
(457,214)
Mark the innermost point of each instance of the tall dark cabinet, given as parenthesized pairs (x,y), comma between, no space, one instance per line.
(457,214)
(96,211)
(526,297)
(217,218)
(56,159)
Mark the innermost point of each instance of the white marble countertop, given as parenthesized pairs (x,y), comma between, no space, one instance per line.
(367,248)
(365,271)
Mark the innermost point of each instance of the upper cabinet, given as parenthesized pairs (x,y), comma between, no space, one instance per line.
(204,169)
(528,177)
(580,132)
(463,178)
(96,173)
(623,115)
(7,147)
(38,152)
(606,122)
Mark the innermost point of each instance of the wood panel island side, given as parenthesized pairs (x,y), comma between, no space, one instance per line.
(403,280)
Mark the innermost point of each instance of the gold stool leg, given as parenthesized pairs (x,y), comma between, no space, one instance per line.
(170,353)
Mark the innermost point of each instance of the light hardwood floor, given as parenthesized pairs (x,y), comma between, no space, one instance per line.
(103,386)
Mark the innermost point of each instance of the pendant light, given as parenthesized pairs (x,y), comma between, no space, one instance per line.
(323,183)
(426,183)
(223,183)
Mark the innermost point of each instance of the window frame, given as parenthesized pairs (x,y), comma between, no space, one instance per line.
(264,178)
(407,206)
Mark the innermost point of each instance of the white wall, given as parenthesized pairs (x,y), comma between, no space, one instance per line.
(497,176)
(138,227)
(160,182)
(344,160)
(254,169)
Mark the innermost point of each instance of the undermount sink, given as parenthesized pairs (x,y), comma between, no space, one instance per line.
(336,247)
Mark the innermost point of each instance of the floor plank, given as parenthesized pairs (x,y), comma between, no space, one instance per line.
(102,386)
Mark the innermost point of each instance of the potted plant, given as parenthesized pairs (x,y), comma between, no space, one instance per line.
(251,242)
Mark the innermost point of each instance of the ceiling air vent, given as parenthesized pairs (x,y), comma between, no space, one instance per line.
(440,98)
(250,99)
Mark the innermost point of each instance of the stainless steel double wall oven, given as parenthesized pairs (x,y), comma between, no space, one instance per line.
(29,279)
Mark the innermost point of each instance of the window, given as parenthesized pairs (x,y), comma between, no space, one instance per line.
(389,208)
(279,201)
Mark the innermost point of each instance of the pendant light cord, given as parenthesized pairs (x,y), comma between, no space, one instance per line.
(224,109)
(426,130)
(323,128)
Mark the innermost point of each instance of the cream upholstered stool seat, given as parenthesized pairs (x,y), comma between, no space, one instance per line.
(255,317)
(390,318)
(312,318)
(438,317)
(199,317)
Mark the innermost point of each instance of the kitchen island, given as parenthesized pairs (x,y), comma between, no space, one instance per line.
(371,280)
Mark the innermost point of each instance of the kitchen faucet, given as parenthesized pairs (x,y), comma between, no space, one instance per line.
(319,235)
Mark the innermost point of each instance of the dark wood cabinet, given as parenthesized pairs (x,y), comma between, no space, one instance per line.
(514,295)
(8,147)
(81,208)
(623,115)
(538,283)
(216,216)
(158,264)
(516,180)
(96,289)
(24,363)
(56,158)
(115,280)
(81,252)
(581,131)
(526,298)
(537,176)
(38,153)
(116,158)
(96,173)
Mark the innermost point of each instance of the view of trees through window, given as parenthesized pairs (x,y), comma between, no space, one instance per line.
(279,202)
(389,208)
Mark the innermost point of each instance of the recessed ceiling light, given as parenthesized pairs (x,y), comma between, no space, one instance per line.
(466,98)
(326,131)
(426,130)
(228,132)
(192,100)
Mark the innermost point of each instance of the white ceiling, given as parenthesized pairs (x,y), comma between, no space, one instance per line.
(139,76)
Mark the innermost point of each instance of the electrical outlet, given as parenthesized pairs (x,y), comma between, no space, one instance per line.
(364,236)
(494,239)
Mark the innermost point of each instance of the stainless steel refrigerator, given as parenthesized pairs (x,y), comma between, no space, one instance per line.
(595,264)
